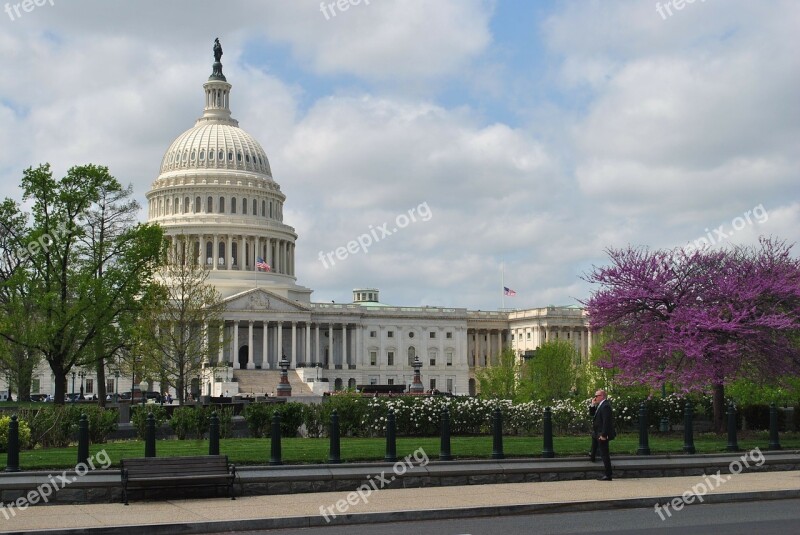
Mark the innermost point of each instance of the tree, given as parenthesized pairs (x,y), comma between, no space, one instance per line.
(551,373)
(499,381)
(49,266)
(177,328)
(700,319)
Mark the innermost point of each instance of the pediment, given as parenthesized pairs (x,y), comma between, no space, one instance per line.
(261,300)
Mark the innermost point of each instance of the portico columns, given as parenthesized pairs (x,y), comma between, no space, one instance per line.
(294,344)
(215,252)
(307,350)
(251,363)
(345,356)
(265,348)
(235,353)
(330,347)
(279,327)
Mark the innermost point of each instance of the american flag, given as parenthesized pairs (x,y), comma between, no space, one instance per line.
(260,264)
(508,291)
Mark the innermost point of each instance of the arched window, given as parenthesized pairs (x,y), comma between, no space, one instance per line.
(244,206)
(197,203)
(202,155)
(209,253)
(239,157)
(234,253)
(186,205)
(210,155)
(210,205)
(255,207)
(412,353)
(221,256)
(230,156)
(233,205)
(270,209)
(222,205)
(263,208)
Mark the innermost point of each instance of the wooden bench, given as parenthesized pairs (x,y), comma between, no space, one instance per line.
(172,472)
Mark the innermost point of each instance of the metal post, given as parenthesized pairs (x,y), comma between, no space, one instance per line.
(12,464)
(275,440)
(213,435)
(733,445)
(391,438)
(774,442)
(644,444)
(150,436)
(497,434)
(547,450)
(688,428)
(335,454)
(83,439)
(444,444)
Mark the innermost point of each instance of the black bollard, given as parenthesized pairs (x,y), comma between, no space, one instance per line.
(497,434)
(391,438)
(335,454)
(12,464)
(644,441)
(444,444)
(213,434)
(774,441)
(150,436)
(547,432)
(275,440)
(688,429)
(733,445)
(83,439)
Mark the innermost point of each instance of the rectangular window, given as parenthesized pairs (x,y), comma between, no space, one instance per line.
(450,384)
(433,361)
(373,358)
(373,379)
(389,381)
(449,336)
(110,386)
(373,334)
(390,334)
(390,358)
(449,358)
(36,385)
(432,334)
(89,386)
(529,336)
(433,384)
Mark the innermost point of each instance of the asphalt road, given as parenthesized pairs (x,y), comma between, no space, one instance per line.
(762,518)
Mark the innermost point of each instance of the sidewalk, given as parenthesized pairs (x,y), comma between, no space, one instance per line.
(304,510)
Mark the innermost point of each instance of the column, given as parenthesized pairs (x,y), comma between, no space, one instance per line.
(265,348)
(235,353)
(307,349)
(345,356)
(229,253)
(318,355)
(294,344)
(240,253)
(221,356)
(358,354)
(215,252)
(268,253)
(330,346)
(499,343)
(280,340)
(256,251)
(251,360)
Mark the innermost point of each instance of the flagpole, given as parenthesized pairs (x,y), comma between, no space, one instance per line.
(502,286)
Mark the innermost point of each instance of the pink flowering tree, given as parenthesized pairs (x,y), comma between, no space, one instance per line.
(699,319)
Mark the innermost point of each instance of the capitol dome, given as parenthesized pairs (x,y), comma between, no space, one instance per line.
(219,206)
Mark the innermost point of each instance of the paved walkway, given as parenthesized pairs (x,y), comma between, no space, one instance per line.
(303,510)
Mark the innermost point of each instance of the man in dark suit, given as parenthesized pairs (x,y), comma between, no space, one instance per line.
(593,450)
(603,430)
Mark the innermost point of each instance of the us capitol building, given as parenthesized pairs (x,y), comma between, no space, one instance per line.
(217,201)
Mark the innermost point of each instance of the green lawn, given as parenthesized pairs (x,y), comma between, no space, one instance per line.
(309,450)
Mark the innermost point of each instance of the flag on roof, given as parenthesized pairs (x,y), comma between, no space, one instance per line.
(260,264)
(508,291)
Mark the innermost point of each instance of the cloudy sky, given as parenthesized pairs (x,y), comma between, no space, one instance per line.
(532,135)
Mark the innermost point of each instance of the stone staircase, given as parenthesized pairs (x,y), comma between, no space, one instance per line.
(259,382)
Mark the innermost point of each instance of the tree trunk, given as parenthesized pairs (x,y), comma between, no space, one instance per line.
(719,408)
(101,375)
(61,386)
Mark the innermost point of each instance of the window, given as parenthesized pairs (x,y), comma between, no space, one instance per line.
(110,386)
(411,334)
(449,357)
(373,334)
(233,205)
(529,335)
(390,334)
(412,353)
(210,155)
(89,386)
(186,205)
(255,207)
(193,155)
(433,334)
(449,336)
(202,155)
(433,384)
(390,381)
(432,359)
(449,384)
(373,379)
(263,208)
(209,205)
(270,209)
(390,358)
(373,358)
(222,205)
(244,206)
(230,156)
(239,157)
(221,155)
(197,205)
(36,385)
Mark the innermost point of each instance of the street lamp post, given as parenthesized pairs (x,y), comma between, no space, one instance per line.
(82,375)
(142,388)
(72,396)
(116,388)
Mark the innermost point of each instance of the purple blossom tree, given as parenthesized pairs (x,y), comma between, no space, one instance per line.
(699,320)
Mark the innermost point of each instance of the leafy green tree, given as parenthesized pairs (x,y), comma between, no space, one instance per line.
(499,381)
(49,267)
(551,373)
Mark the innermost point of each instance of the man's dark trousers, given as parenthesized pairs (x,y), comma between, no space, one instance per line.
(605,455)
